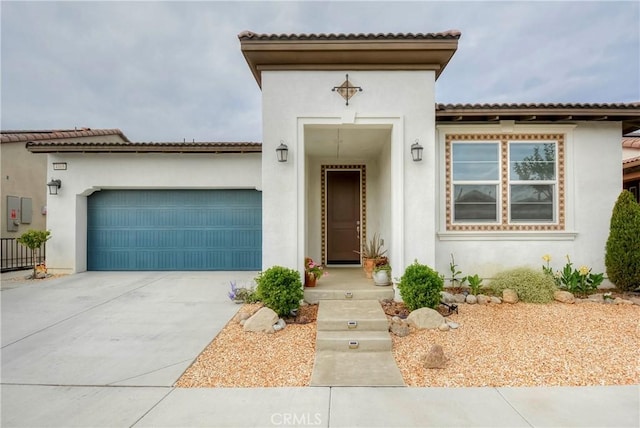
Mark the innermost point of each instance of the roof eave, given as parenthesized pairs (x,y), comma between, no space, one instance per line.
(629,117)
(144,148)
(366,54)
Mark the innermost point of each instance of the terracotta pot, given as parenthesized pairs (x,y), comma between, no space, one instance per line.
(310,280)
(368,265)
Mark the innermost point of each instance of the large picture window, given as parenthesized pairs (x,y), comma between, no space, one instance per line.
(505,182)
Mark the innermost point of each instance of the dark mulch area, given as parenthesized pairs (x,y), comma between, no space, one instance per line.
(306,314)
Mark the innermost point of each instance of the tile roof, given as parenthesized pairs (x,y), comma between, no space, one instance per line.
(449,34)
(631,142)
(112,147)
(56,134)
(546,106)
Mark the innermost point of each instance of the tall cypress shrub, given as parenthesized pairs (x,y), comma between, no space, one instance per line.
(622,257)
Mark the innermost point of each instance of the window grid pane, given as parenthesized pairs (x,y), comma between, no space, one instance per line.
(475,203)
(532,161)
(532,202)
(476,177)
(529,163)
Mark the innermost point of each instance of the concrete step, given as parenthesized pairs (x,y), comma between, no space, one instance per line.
(314,295)
(355,369)
(353,341)
(351,315)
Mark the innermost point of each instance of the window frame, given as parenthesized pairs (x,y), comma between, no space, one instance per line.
(504,221)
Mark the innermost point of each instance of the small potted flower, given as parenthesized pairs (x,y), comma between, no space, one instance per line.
(312,272)
(382,272)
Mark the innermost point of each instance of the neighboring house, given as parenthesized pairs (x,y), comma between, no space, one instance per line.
(631,164)
(23,203)
(497,185)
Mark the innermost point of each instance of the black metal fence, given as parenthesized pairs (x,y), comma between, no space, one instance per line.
(15,256)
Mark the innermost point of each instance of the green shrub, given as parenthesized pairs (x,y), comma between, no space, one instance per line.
(531,285)
(420,287)
(622,256)
(280,289)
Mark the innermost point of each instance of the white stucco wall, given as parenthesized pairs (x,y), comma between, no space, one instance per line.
(403,100)
(90,172)
(592,185)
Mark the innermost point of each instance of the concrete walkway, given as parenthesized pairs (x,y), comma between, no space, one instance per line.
(104,349)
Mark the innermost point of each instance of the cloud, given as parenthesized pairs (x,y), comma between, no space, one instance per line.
(168,71)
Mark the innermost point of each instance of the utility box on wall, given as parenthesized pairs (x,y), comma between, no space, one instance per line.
(26,210)
(13,213)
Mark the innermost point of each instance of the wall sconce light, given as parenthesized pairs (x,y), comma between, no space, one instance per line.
(416,151)
(54,185)
(282,151)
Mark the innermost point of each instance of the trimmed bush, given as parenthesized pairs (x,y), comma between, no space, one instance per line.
(420,287)
(531,285)
(33,239)
(622,255)
(280,289)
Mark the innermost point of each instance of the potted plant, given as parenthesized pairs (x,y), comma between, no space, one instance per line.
(382,272)
(371,252)
(312,272)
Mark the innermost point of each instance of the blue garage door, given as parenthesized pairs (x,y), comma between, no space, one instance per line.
(174,230)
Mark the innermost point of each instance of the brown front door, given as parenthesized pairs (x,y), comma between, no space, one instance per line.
(343,217)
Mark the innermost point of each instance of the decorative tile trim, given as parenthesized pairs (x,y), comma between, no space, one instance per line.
(504,139)
(323,203)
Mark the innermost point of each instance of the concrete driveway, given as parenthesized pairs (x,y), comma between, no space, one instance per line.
(99,329)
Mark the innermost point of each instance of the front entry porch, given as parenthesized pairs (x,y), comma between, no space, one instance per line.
(346,283)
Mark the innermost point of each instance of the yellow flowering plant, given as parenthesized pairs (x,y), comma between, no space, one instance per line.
(578,281)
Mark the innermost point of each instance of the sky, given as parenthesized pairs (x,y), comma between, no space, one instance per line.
(173,71)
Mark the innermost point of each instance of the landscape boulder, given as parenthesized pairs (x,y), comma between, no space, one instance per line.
(564,296)
(447,297)
(444,326)
(459,298)
(425,318)
(399,327)
(241,316)
(435,359)
(262,321)
(471,299)
(483,300)
(509,296)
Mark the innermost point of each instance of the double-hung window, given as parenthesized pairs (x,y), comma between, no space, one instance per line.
(505,182)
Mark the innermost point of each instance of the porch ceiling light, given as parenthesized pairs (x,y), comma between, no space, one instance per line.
(416,151)
(282,151)
(54,185)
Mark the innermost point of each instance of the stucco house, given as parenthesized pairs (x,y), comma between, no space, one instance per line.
(368,151)
(23,200)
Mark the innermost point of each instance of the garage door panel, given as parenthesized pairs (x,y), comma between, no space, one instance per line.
(174,230)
